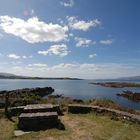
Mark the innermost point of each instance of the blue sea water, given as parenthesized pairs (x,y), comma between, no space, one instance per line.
(80,89)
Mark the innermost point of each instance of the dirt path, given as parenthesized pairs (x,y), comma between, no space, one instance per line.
(76,132)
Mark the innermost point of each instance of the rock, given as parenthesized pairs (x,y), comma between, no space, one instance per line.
(134,96)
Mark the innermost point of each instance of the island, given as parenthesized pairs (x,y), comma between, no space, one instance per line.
(134,96)
(117,84)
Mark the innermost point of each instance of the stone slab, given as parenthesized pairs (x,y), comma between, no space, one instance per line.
(20,133)
(38,108)
(38,121)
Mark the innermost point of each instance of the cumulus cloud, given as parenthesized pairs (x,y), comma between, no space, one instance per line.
(33,30)
(13,56)
(67,3)
(106,42)
(83,42)
(60,50)
(76,24)
(92,55)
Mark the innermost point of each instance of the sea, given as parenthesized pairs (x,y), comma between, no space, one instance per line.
(79,89)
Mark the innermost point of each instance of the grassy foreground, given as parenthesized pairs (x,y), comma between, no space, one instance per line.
(81,126)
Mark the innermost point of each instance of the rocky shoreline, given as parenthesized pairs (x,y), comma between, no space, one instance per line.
(117,84)
(134,96)
(24,96)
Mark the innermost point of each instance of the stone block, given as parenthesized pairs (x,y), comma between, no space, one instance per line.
(76,108)
(38,121)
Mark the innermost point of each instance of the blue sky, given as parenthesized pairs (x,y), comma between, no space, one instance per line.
(70,38)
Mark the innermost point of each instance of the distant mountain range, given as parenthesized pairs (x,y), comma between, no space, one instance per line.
(13,76)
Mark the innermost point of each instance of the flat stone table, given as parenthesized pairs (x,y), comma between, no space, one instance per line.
(38,121)
(38,108)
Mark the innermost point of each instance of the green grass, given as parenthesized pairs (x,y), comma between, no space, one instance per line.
(78,126)
(97,102)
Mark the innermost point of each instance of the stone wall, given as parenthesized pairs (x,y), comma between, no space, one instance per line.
(76,108)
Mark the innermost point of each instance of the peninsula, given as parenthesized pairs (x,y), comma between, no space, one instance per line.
(117,84)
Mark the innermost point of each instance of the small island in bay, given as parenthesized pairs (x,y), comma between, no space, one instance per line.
(134,96)
(117,84)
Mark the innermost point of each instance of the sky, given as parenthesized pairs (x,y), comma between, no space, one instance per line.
(90,39)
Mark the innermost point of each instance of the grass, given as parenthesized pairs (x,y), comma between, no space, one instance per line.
(78,126)
(97,102)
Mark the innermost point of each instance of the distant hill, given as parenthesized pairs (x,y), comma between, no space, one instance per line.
(13,76)
(7,75)
(130,78)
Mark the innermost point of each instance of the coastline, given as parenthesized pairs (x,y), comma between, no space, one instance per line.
(117,84)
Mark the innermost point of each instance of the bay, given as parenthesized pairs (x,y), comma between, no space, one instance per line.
(80,89)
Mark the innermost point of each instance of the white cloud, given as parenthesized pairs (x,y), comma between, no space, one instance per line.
(83,42)
(60,50)
(16,62)
(67,3)
(37,65)
(106,42)
(24,57)
(33,30)
(64,66)
(71,34)
(81,24)
(92,55)
(86,70)
(13,56)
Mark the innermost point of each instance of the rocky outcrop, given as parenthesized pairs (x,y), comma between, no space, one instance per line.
(134,96)
(117,84)
(22,97)
(36,91)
